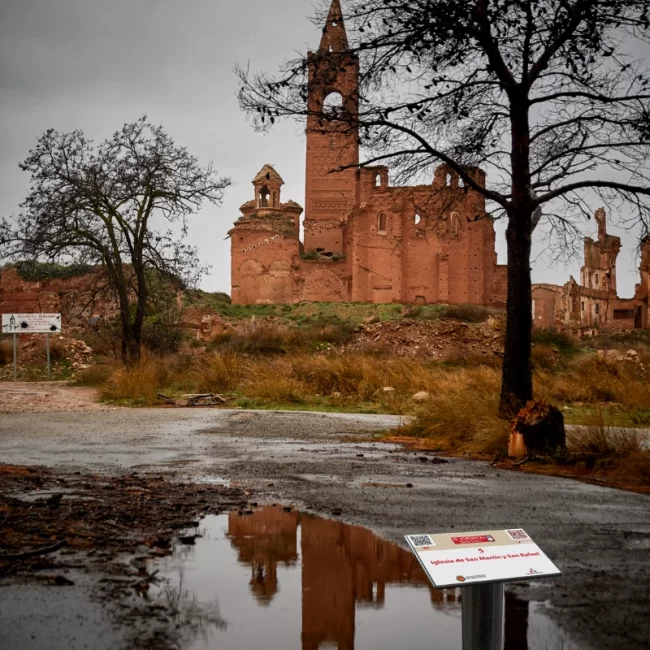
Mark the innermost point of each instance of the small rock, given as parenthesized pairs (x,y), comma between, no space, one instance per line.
(421,396)
(388,389)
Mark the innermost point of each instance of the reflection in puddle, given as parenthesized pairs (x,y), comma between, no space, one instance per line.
(277,579)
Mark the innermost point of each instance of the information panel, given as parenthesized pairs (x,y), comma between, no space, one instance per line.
(31,323)
(462,559)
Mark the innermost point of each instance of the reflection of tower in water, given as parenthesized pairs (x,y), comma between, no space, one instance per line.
(342,566)
(263,540)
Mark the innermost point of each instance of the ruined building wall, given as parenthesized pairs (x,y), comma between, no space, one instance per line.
(423,244)
(594,303)
(76,298)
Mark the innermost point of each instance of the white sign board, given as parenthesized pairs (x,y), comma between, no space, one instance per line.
(463,559)
(31,323)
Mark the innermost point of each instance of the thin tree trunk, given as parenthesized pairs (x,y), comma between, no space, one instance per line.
(516,377)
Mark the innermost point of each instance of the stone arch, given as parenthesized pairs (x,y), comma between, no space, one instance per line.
(322,285)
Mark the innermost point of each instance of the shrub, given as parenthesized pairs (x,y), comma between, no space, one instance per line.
(34,271)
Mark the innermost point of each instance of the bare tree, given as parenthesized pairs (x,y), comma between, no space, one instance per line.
(101,205)
(545,95)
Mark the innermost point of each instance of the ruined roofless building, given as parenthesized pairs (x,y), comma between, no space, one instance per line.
(364,240)
(593,303)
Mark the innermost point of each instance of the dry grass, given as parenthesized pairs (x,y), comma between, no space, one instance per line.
(140,382)
(621,452)
(461,414)
(594,381)
(217,373)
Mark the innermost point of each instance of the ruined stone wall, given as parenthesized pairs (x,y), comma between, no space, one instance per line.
(422,244)
(593,303)
(321,281)
(262,262)
(547,305)
(75,298)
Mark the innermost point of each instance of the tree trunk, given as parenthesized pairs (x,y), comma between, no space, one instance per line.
(516,376)
(141,303)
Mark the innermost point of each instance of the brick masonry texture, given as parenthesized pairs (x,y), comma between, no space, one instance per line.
(364,240)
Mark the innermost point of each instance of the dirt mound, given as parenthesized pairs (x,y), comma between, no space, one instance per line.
(436,339)
(65,353)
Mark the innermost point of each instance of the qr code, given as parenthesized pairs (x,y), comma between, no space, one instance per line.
(421,540)
(517,534)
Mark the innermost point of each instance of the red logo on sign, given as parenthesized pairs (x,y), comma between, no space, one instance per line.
(473,539)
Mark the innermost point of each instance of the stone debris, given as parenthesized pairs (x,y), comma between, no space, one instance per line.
(421,396)
(616,356)
(64,350)
(435,339)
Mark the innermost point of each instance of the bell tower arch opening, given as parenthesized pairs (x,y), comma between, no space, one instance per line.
(332,137)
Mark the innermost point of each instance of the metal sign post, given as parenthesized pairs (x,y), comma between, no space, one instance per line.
(47,352)
(483,617)
(481,563)
(15,356)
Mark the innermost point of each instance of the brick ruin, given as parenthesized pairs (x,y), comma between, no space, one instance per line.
(364,240)
(593,303)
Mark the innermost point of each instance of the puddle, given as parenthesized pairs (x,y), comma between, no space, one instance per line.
(277,579)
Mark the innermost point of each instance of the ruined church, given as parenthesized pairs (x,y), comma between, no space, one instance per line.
(364,240)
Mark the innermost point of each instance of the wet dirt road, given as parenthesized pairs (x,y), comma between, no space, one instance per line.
(328,464)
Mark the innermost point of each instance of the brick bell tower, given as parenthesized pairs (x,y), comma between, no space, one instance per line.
(333,89)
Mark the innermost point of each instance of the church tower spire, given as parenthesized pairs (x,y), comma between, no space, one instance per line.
(334,37)
(332,143)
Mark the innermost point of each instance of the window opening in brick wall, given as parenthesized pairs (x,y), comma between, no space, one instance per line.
(264,197)
(448,180)
(333,105)
(382,222)
(417,219)
(597,308)
(623,314)
(378,180)
(583,306)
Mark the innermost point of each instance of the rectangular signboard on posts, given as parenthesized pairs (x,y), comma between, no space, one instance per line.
(31,323)
(463,559)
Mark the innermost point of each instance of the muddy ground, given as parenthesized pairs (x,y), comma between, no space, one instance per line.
(329,464)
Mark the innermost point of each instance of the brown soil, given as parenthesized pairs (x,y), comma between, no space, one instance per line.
(437,339)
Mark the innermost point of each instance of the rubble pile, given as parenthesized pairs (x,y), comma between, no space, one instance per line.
(435,339)
(64,352)
(202,324)
(616,356)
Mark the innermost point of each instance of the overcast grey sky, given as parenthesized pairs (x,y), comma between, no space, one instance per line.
(96,64)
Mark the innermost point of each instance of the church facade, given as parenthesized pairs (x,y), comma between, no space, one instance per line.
(364,240)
